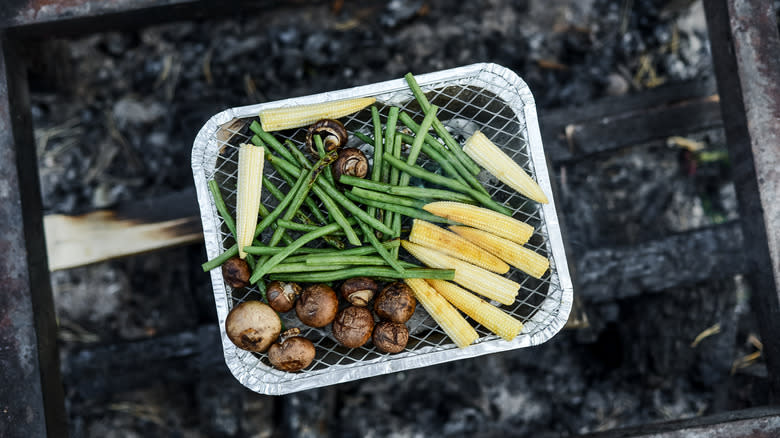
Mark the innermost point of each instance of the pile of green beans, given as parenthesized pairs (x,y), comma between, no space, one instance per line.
(367,213)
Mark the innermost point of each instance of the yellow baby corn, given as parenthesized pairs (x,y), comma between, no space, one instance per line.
(452,322)
(427,234)
(482,218)
(248,191)
(516,255)
(277,119)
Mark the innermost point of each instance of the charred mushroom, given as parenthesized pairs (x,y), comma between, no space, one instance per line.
(395,303)
(253,326)
(390,337)
(236,272)
(317,305)
(333,133)
(353,326)
(293,352)
(350,162)
(359,290)
(282,295)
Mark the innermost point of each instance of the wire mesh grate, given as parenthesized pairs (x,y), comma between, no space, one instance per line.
(466,104)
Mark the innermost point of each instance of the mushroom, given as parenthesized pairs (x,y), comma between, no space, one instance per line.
(390,337)
(333,133)
(317,305)
(395,303)
(353,326)
(350,162)
(253,326)
(236,272)
(359,290)
(282,295)
(293,352)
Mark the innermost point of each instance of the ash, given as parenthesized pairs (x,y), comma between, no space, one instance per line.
(115,115)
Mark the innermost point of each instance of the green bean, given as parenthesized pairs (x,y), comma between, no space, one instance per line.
(312,206)
(408,191)
(220,259)
(421,173)
(341,199)
(435,155)
(327,202)
(379,248)
(361,250)
(271,250)
(406,211)
(285,268)
(384,197)
(347,260)
(414,152)
(321,151)
(368,271)
(466,176)
(272,216)
(296,203)
(221,207)
(439,127)
(390,126)
(263,269)
(270,140)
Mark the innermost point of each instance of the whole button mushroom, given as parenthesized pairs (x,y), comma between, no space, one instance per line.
(253,326)
(282,295)
(317,305)
(350,162)
(395,302)
(293,352)
(359,290)
(332,132)
(236,272)
(390,337)
(353,326)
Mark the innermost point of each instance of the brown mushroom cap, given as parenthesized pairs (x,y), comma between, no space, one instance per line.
(352,162)
(395,302)
(333,133)
(353,326)
(317,305)
(359,290)
(253,326)
(291,353)
(390,337)
(282,295)
(236,272)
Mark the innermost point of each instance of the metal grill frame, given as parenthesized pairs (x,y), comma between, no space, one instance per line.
(497,102)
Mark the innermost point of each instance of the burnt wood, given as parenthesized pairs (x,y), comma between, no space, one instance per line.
(745,47)
(31,394)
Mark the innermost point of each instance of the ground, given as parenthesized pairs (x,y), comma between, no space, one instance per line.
(115,115)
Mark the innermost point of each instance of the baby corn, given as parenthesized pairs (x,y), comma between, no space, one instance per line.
(500,165)
(482,218)
(248,191)
(277,119)
(493,318)
(471,277)
(516,255)
(452,322)
(429,235)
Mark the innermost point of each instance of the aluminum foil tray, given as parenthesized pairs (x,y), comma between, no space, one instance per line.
(479,96)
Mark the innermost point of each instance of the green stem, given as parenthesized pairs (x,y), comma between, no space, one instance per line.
(270,140)
(384,197)
(271,250)
(221,207)
(435,155)
(361,250)
(263,269)
(408,191)
(368,271)
(431,177)
(286,268)
(406,211)
(347,260)
(220,259)
(414,152)
(321,151)
(367,232)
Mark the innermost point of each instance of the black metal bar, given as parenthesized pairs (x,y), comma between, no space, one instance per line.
(761,422)
(31,393)
(746,54)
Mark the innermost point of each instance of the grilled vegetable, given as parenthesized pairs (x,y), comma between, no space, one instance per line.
(503,167)
(495,319)
(452,322)
(250,174)
(277,119)
(516,255)
(471,277)
(483,219)
(429,235)
(332,132)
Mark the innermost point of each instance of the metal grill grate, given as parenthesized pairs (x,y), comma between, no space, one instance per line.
(480,99)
